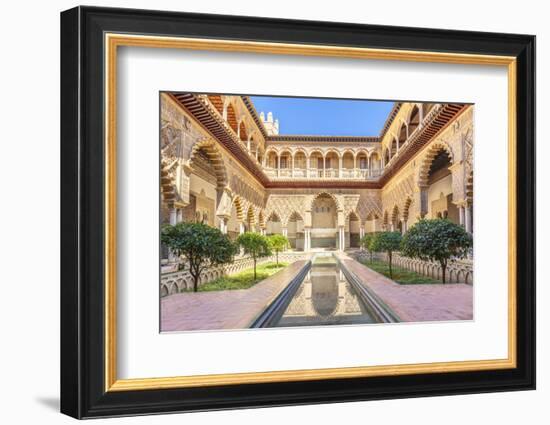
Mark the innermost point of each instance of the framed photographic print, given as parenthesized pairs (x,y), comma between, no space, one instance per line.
(261,212)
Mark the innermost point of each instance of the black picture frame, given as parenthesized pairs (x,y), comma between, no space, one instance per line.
(83,392)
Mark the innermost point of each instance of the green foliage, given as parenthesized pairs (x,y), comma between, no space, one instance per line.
(244,279)
(201,245)
(387,242)
(436,240)
(277,243)
(400,275)
(367,242)
(255,245)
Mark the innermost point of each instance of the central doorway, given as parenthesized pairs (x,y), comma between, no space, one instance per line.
(323,222)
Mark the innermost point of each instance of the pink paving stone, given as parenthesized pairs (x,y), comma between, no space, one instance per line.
(235,309)
(417,303)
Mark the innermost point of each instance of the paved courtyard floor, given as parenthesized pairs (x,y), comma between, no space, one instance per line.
(417,303)
(232,309)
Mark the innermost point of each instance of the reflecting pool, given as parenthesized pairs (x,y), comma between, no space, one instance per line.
(325,297)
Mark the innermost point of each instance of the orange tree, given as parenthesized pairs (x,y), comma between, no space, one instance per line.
(436,240)
(387,242)
(201,245)
(277,243)
(367,243)
(255,245)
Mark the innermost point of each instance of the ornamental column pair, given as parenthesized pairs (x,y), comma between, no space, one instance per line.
(307,239)
(465,216)
(341,238)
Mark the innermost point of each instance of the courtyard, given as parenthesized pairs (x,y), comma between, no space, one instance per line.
(242,170)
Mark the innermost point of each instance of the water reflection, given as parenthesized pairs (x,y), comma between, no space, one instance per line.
(325,297)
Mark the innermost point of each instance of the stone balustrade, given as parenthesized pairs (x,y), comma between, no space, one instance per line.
(458,271)
(328,173)
(174,282)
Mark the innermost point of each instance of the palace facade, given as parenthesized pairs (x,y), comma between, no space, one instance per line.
(225,164)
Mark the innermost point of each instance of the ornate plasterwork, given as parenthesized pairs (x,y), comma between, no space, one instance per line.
(433,149)
(285,206)
(182,139)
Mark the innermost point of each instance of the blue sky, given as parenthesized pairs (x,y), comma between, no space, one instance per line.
(325,117)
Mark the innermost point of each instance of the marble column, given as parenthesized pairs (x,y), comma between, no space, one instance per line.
(173,221)
(241,228)
(422,201)
(468,219)
(285,232)
(179,215)
(223,225)
(341,238)
(173,216)
(461,217)
(369,166)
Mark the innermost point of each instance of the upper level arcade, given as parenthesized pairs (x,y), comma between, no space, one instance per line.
(314,157)
(255,140)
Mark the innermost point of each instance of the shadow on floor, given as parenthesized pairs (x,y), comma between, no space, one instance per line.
(49,402)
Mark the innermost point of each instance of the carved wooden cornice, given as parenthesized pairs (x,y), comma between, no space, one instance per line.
(436,121)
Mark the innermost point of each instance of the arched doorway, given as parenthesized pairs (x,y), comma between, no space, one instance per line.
(295,228)
(403,135)
(414,119)
(324,222)
(250,220)
(300,164)
(273,225)
(316,164)
(332,164)
(232,118)
(393,147)
(406,214)
(386,157)
(375,165)
(362,162)
(440,188)
(285,161)
(261,220)
(206,182)
(348,165)
(235,219)
(242,132)
(396,223)
(271,160)
(353,230)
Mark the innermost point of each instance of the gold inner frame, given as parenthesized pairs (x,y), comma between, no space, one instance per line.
(113,41)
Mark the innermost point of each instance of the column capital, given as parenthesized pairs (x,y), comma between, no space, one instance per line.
(461,203)
(455,166)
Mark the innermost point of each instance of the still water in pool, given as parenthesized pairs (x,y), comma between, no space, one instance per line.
(325,297)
